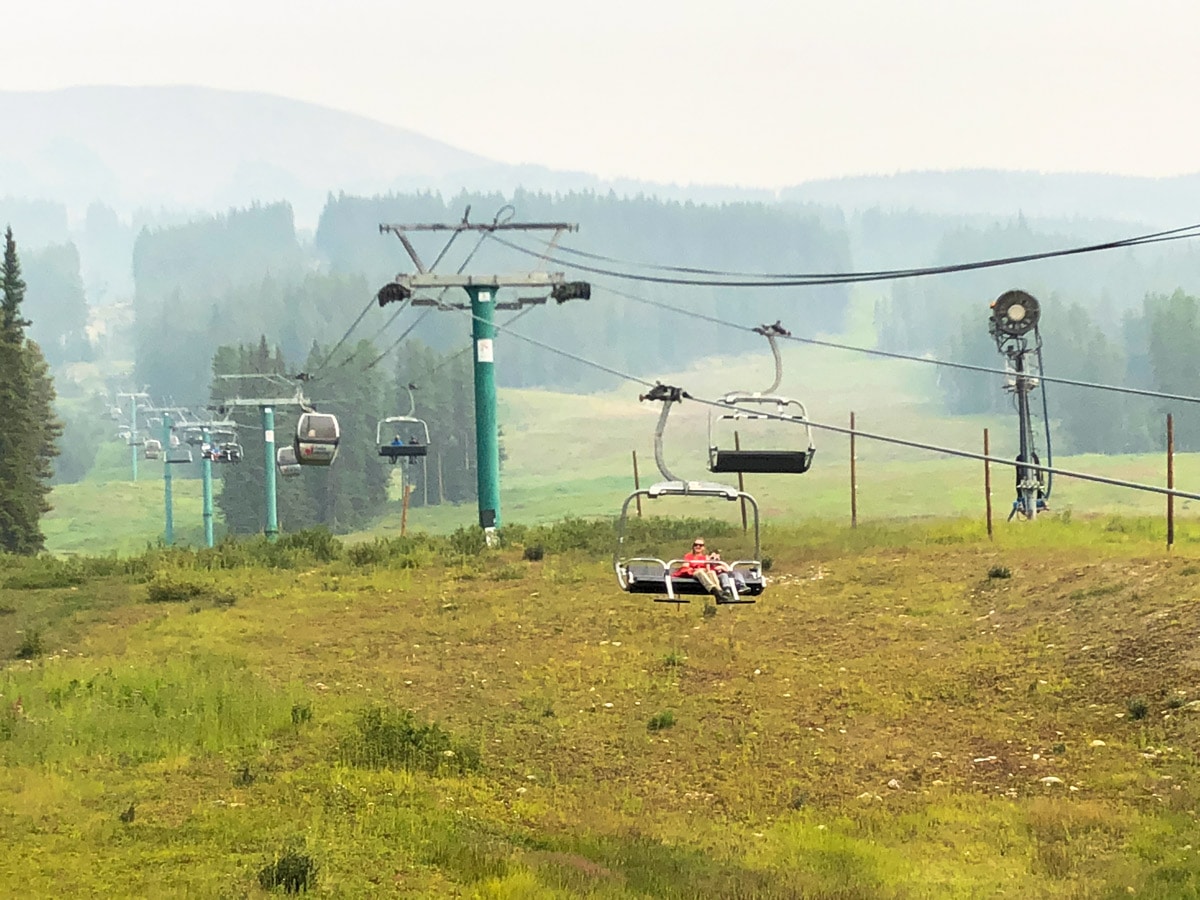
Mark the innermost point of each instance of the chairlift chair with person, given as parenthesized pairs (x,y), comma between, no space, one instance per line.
(652,574)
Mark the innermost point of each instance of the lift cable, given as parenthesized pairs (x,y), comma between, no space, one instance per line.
(887,439)
(1186,231)
(344,338)
(1122,389)
(815,280)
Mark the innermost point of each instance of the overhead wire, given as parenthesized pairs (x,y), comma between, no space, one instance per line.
(889,354)
(1182,232)
(819,279)
(867,435)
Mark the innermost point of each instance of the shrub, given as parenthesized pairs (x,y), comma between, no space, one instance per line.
(999,572)
(386,739)
(293,870)
(301,713)
(42,572)
(31,645)
(663,720)
(468,541)
(165,587)
(1137,708)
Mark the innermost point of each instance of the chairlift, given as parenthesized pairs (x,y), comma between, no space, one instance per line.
(647,574)
(410,434)
(760,406)
(179,454)
(317,438)
(285,460)
(410,440)
(152,448)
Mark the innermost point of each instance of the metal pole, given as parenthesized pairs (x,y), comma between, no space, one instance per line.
(133,433)
(1170,480)
(272,515)
(637,486)
(405,490)
(206,482)
(853,478)
(487,439)
(737,445)
(1026,489)
(987,482)
(169,529)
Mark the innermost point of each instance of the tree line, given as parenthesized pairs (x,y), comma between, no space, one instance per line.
(28,437)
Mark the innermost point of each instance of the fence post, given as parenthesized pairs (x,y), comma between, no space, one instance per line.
(987,482)
(1170,480)
(853,478)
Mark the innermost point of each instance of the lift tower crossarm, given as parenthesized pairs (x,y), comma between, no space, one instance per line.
(521,279)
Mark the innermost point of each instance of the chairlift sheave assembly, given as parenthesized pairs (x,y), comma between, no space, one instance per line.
(317,438)
(653,574)
(759,406)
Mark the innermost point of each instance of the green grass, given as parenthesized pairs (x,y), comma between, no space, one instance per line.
(412,719)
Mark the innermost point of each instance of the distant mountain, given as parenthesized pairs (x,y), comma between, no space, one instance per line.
(198,148)
(1159,201)
(191,148)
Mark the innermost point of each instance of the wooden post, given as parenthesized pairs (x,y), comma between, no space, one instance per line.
(1170,480)
(737,445)
(441,482)
(853,479)
(404,509)
(987,482)
(637,485)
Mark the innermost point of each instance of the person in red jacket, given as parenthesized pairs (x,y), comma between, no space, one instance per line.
(696,564)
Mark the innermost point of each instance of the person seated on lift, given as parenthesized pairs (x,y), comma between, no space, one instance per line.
(697,565)
(397,442)
(727,574)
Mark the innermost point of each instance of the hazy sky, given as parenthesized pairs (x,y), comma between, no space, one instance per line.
(753,92)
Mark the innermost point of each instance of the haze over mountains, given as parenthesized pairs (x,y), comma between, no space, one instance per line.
(199,149)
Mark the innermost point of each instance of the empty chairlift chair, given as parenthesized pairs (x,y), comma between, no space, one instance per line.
(758,409)
(180,453)
(317,438)
(152,448)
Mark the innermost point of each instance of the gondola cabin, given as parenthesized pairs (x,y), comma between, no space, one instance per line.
(653,574)
(317,438)
(402,437)
(285,461)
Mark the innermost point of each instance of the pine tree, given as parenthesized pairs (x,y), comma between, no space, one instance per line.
(28,439)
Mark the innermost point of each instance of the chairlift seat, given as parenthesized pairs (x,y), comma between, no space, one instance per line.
(766,461)
(402,451)
(649,578)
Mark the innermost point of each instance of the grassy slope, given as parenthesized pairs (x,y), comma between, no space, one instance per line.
(880,725)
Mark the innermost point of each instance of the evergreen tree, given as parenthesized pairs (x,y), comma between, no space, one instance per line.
(28,439)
